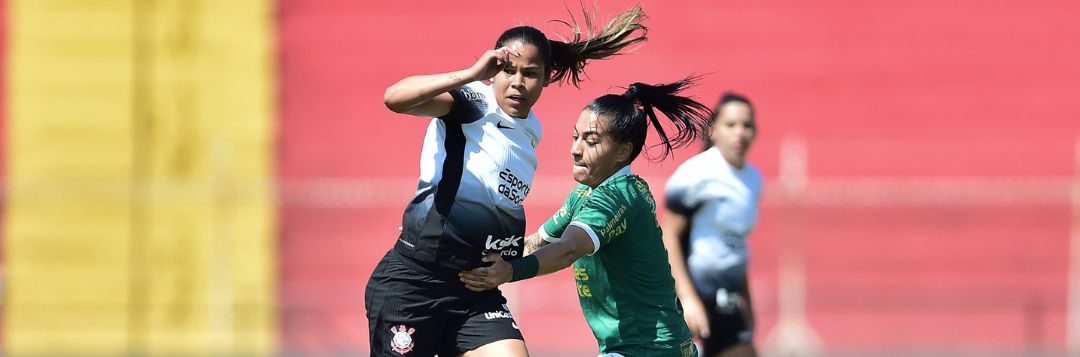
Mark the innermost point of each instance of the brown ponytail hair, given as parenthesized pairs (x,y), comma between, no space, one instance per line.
(566,60)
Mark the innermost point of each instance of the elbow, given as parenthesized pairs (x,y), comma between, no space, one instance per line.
(391,101)
(570,255)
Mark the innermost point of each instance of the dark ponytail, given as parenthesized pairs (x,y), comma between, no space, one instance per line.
(569,58)
(630,114)
(566,60)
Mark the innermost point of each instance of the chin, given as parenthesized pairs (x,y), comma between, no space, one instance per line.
(517,113)
(581,178)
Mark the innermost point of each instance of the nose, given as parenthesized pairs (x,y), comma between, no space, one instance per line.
(738,129)
(517,81)
(575,149)
(746,133)
(740,132)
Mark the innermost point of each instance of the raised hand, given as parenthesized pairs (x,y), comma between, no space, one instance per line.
(491,62)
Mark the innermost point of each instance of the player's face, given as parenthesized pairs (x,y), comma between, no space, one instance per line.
(733,132)
(596,154)
(518,85)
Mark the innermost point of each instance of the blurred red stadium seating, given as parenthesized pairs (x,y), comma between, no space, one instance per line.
(901,90)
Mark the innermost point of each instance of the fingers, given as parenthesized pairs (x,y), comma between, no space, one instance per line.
(475,274)
(476,286)
(509,52)
(476,280)
(491,257)
(502,56)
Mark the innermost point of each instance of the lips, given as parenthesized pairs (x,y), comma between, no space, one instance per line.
(516,99)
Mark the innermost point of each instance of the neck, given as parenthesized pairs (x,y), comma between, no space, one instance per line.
(736,162)
(606,177)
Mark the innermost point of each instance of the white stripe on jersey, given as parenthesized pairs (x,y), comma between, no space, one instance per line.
(497,168)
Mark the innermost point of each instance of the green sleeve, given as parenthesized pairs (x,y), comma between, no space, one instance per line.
(604,216)
(553,229)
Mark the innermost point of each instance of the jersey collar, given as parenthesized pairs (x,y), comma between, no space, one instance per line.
(625,170)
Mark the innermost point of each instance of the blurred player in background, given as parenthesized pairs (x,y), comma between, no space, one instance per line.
(607,227)
(476,168)
(711,207)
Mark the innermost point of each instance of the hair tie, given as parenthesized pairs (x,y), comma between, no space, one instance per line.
(633,94)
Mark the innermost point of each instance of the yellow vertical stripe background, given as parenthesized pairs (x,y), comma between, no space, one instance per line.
(140,212)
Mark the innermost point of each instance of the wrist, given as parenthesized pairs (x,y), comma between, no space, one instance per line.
(467,75)
(524,268)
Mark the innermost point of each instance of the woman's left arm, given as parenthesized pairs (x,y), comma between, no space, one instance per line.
(552,257)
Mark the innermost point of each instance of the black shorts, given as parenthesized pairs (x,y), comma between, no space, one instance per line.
(727,323)
(416,310)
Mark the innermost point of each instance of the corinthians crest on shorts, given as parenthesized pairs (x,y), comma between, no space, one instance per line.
(402,342)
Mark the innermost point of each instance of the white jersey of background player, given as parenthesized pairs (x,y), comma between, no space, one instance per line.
(711,208)
(723,201)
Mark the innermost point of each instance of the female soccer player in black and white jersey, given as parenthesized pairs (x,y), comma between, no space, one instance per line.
(476,168)
(711,207)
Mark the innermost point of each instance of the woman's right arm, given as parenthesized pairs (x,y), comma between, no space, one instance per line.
(676,226)
(428,95)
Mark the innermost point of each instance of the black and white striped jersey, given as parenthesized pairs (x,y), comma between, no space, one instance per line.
(476,169)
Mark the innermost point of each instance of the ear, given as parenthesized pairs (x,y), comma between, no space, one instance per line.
(623,152)
(714,135)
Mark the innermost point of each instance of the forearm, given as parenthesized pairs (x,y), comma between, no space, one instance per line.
(413,91)
(554,257)
(675,227)
(684,286)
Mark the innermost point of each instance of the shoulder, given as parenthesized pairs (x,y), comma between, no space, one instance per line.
(751,178)
(471,102)
(479,90)
(692,169)
(578,194)
(637,185)
(753,175)
(624,189)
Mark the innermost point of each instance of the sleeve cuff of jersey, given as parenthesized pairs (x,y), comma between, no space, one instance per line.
(674,201)
(592,234)
(547,237)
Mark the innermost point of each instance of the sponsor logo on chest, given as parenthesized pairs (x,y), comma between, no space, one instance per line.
(500,244)
(512,187)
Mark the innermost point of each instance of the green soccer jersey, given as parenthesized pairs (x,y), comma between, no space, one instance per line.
(625,286)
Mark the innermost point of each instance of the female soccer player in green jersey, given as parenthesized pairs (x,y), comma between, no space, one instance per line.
(607,227)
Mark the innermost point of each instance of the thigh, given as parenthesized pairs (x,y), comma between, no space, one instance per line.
(487,328)
(402,316)
(499,348)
